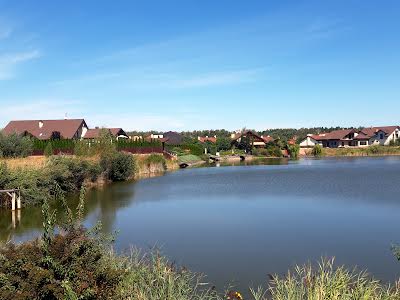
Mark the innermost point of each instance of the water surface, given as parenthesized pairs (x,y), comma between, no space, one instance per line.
(238,224)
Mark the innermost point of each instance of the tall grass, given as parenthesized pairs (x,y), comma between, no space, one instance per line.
(326,282)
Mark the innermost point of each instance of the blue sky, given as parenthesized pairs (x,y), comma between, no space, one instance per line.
(185,65)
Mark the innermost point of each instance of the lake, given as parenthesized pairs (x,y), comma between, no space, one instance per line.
(239,223)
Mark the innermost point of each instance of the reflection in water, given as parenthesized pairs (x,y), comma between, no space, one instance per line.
(241,223)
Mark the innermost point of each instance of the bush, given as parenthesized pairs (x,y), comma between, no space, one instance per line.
(15,145)
(118,166)
(274,150)
(82,148)
(294,151)
(48,151)
(317,150)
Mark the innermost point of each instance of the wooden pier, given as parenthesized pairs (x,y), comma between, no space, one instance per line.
(15,196)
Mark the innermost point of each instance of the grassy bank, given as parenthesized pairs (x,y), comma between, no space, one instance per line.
(72,263)
(366,151)
(38,176)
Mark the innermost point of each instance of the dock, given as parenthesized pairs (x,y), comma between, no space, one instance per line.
(15,197)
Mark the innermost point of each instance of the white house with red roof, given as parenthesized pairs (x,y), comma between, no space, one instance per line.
(383,135)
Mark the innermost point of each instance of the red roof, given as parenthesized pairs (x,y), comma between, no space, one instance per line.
(333,135)
(371,131)
(95,133)
(44,129)
(211,139)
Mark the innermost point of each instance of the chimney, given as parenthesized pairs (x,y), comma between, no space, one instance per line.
(66,116)
(40,124)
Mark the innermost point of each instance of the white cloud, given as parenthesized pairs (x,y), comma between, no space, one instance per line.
(38,109)
(10,61)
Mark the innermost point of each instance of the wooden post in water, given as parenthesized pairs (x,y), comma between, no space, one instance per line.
(19,201)
(13,200)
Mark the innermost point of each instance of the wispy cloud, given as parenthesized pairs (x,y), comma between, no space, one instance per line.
(39,109)
(10,61)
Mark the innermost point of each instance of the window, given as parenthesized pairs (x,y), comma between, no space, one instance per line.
(363,143)
(343,144)
(381,136)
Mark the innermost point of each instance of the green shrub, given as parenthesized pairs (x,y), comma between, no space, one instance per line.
(274,150)
(48,151)
(294,151)
(317,150)
(82,148)
(118,166)
(15,145)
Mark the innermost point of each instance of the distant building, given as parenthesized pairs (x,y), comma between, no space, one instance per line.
(257,141)
(353,137)
(211,139)
(172,138)
(117,133)
(48,129)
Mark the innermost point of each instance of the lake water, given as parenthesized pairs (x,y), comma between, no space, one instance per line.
(239,223)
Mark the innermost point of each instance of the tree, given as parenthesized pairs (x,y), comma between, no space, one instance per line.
(223,144)
(48,151)
(317,150)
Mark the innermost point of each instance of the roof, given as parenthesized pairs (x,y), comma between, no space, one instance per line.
(67,128)
(211,139)
(333,135)
(371,131)
(249,132)
(172,138)
(95,133)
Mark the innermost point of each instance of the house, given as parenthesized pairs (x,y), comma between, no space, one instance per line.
(333,139)
(353,137)
(117,133)
(377,136)
(212,139)
(48,129)
(257,141)
(172,138)
(292,141)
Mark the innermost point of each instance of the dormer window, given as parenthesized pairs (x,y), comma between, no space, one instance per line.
(381,136)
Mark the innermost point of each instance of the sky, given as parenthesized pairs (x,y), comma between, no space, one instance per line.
(184,65)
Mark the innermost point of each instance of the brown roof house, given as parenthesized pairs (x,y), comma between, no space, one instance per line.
(211,139)
(257,141)
(117,133)
(353,137)
(48,129)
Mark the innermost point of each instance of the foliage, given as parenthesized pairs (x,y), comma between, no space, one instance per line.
(274,149)
(317,150)
(73,264)
(156,159)
(223,143)
(15,145)
(57,145)
(152,277)
(326,282)
(48,151)
(118,166)
(294,151)
(70,173)
(83,148)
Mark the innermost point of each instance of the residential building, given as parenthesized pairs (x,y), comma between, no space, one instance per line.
(48,129)
(258,141)
(117,133)
(211,139)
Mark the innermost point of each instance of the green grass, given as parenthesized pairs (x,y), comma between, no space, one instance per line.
(326,282)
(189,158)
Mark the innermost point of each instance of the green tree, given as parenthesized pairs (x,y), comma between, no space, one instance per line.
(317,150)
(48,151)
